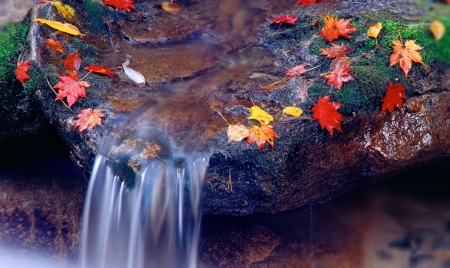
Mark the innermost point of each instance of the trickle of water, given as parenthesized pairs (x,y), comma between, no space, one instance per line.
(156,223)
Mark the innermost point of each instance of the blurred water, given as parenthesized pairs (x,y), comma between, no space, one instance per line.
(155,223)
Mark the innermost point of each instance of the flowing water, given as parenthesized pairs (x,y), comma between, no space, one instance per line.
(156,223)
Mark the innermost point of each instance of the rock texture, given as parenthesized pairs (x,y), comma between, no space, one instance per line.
(231,58)
(41,200)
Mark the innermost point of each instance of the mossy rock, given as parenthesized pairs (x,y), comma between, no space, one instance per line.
(19,111)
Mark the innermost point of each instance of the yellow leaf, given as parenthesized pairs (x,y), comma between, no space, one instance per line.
(171,7)
(438,29)
(65,11)
(63,27)
(237,132)
(375,30)
(294,111)
(259,114)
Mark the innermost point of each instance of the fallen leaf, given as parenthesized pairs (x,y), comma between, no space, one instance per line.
(334,27)
(21,71)
(63,27)
(304,3)
(54,45)
(65,11)
(72,74)
(337,51)
(261,135)
(405,54)
(88,119)
(326,113)
(438,29)
(126,5)
(260,115)
(137,77)
(71,89)
(394,97)
(285,19)
(100,70)
(340,62)
(293,111)
(171,7)
(337,76)
(237,132)
(72,62)
(375,30)
(297,70)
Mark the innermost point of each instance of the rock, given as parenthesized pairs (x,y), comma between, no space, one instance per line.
(230,59)
(20,112)
(41,200)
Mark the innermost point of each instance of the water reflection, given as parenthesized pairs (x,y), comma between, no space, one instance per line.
(404,222)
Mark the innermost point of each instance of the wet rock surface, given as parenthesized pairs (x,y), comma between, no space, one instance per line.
(225,62)
(41,200)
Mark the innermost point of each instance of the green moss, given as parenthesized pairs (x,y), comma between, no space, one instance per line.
(394,30)
(95,14)
(88,52)
(12,40)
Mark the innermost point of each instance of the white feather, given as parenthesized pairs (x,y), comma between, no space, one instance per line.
(134,75)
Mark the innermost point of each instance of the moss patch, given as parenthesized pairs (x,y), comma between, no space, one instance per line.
(12,40)
(95,13)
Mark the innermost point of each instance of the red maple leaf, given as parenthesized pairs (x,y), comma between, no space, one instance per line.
(333,28)
(71,89)
(261,134)
(100,70)
(72,62)
(127,5)
(286,19)
(337,51)
(339,75)
(327,115)
(72,74)
(304,2)
(21,71)
(394,97)
(54,45)
(88,118)
(297,70)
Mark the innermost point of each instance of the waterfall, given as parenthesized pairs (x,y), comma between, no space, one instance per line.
(155,223)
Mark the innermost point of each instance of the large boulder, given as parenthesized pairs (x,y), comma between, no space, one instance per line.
(227,57)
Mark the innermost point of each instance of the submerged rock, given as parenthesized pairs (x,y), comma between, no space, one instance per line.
(230,59)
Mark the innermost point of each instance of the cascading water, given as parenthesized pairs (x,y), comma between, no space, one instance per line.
(155,223)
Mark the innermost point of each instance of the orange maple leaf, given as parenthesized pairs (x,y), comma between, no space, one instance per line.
(100,70)
(21,71)
(339,75)
(88,118)
(126,5)
(394,97)
(405,54)
(261,134)
(54,45)
(337,51)
(334,27)
(72,62)
(326,113)
(71,88)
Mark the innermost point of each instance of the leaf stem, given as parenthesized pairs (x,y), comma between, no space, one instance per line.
(306,95)
(85,76)
(314,68)
(56,93)
(223,118)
